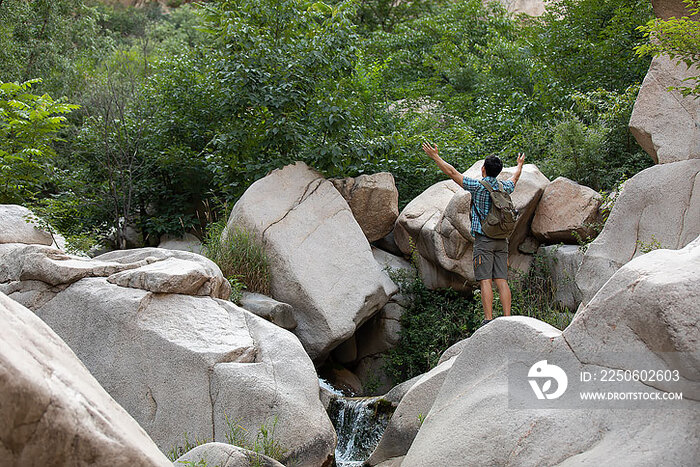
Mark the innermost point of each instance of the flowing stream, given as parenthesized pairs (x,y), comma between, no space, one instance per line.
(360,423)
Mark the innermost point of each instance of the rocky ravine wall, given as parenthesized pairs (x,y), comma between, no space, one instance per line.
(52,410)
(660,206)
(644,317)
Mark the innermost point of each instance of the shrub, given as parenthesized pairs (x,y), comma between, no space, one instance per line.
(433,321)
(29,124)
(177,451)
(240,256)
(532,295)
(264,442)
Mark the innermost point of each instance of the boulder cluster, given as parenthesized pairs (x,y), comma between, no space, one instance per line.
(122,357)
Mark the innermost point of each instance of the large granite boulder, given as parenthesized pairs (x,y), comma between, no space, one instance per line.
(560,263)
(566,213)
(528,7)
(644,317)
(646,314)
(320,260)
(180,362)
(20,225)
(409,415)
(374,201)
(666,124)
(438,224)
(187,242)
(658,207)
(52,410)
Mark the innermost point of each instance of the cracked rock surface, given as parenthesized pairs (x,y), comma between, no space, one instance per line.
(658,207)
(374,201)
(648,309)
(320,260)
(566,211)
(149,325)
(53,411)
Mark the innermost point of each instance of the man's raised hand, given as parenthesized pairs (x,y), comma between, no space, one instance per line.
(430,150)
(521,159)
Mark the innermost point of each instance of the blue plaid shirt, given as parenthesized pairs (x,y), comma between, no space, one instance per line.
(481,199)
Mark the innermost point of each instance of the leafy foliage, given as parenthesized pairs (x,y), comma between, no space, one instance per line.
(532,294)
(29,124)
(264,442)
(433,321)
(240,256)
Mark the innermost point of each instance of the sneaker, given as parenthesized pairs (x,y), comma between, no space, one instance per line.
(485,322)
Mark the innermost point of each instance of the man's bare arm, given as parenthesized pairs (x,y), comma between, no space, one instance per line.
(518,170)
(447,169)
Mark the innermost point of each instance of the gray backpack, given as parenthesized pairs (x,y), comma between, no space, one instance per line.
(500,221)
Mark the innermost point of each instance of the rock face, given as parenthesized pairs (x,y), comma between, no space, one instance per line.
(225,455)
(320,261)
(647,308)
(644,317)
(167,271)
(408,417)
(373,340)
(666,124)
(281,314)
(565,211)
(17,226)
(658,207)
(178,362)
(381,333)
(646,313)
(187,242)
(562,262)
(665,9)
(529,7)
(53,411)
(438,223)
(374,201)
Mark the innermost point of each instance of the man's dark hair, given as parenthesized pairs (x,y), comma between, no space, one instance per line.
(493,166)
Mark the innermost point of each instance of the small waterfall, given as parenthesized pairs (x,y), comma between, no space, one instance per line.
(360,423)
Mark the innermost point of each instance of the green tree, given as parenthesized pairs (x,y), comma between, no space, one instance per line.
(282,66)
(47,39)
(28,126)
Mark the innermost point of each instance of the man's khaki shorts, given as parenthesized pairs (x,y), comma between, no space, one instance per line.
(490,258)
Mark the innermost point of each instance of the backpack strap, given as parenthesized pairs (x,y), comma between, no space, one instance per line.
(490,188)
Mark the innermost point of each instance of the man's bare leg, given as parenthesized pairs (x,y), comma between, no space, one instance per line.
(487,298)
(504,293)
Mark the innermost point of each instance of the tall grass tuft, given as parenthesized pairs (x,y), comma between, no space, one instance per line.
(240,256)
(263,443)
(180,450)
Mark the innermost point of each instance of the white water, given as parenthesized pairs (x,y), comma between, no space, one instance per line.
(360,423)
